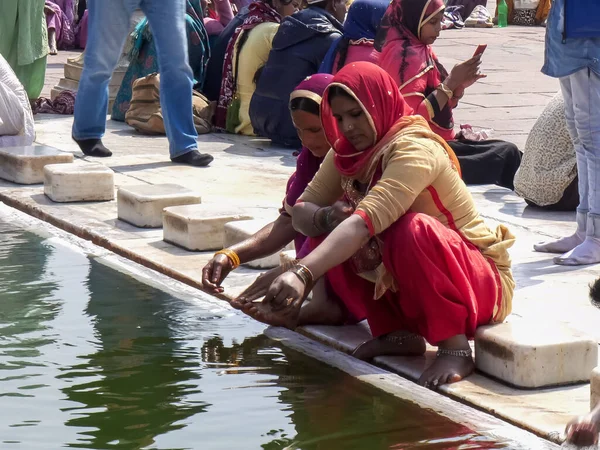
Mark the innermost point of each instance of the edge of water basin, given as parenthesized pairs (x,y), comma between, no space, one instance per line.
(480,422)
(87,234)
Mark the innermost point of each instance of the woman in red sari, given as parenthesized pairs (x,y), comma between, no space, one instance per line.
(413,251)
(405,38)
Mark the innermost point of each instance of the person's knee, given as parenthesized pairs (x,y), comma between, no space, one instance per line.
(407,231)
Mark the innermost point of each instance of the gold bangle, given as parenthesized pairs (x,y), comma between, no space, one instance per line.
(305,275)
(446,90)
(233,257)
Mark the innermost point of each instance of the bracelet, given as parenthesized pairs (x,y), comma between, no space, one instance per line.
(315,220)
(233,257)
(304,273)
(446,90)
(327,220)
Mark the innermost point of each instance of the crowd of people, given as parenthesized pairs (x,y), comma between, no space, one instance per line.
(359,91)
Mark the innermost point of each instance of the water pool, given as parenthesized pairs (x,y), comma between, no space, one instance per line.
(92,358)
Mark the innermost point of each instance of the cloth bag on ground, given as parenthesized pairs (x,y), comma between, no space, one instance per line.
(467,6)
(525,12)
(16,117)
(145,115)
(452,18)
(480,18)
(549,163)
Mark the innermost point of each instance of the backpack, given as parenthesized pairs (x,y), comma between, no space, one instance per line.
(145,115)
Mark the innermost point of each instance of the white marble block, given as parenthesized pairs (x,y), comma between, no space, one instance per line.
(79,183)
(595,388)
(240,230)
(25,165)
(143,205)
(198,227)
(530,355)
(287,256)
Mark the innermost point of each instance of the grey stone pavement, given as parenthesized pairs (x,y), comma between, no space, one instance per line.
(251,174)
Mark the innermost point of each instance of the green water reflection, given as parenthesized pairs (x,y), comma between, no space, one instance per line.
(91,358)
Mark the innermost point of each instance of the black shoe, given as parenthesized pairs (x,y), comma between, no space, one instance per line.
(194,158)
(93,147)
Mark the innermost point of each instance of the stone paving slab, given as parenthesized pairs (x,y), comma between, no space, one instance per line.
(251,174)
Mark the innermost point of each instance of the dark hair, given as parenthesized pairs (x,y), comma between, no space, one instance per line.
(595,293)
(342,53)
(337,91)
(305,104)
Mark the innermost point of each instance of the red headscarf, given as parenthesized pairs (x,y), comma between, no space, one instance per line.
(398,39)
(378,95)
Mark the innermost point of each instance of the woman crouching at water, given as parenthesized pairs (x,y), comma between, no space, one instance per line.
(414,254)
(305,103)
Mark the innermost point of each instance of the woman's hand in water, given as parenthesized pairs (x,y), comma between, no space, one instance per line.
(215,272)
(257,289)
(286,291)
(464,74)
(582,431)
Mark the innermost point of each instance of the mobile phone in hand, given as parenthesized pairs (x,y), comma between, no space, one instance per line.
(480,49)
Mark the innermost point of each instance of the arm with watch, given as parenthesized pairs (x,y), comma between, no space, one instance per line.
(452,89)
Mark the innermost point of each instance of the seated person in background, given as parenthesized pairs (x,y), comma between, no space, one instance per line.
(299,47)
(547,177)
(412,250)
(218,47)
(144,59)
(356,43)
(247,52)
(527,12)
(305,102)
(217,15)
(407,31)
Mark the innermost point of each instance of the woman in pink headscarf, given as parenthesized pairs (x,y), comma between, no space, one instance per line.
(405,38)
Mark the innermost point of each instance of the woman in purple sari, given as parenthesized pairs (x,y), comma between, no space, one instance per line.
(305,103)
(60,19)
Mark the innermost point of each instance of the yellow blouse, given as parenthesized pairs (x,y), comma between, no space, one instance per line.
(417,175)
(254,55)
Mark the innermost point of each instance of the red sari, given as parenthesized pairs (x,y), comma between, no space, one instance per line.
(443,285)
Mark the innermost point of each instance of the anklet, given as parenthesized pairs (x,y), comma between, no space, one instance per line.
(459,353)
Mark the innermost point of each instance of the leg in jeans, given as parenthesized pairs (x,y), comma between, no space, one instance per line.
(107,30)
(585,92)
(568,243)
(167,21)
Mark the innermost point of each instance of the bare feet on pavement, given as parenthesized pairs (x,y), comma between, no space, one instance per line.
(400,343)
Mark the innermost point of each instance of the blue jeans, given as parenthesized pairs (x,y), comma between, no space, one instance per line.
(108,27)
(581,92)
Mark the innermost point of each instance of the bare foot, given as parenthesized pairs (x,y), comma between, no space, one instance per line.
(400,343)
(447,369)
(263,312)
(52,42)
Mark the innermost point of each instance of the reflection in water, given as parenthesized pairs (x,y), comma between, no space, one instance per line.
(90,358)
(146,372)
(331,410)
(24,321)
